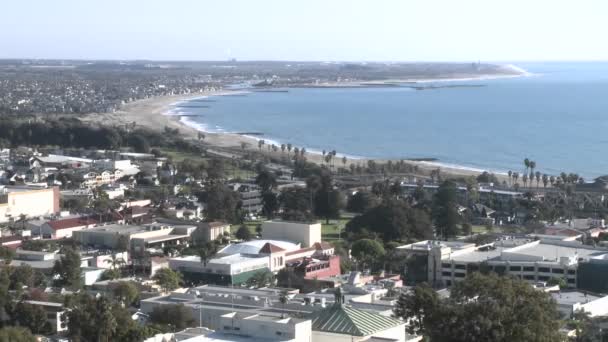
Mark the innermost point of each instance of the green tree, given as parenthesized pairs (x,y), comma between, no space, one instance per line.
(22,275)
(445,210)
(243,233)
(7,255)
(32,317)
(176,316)
(222,203)
(393,220)
(361,202)
(483,308)
(90,319)
(266,180)
(126,292)
(16,334)
(270,204)
(167,279)
(67,268)
(367,251)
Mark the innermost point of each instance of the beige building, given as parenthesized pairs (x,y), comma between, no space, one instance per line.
(31,202)
(137,238)
(209,231)
(306,234)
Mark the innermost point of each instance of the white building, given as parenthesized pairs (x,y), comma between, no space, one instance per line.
(31,202)
(569,302)
(305,233)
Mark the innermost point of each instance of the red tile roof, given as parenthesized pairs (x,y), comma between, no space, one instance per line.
(72,223)
(269,248)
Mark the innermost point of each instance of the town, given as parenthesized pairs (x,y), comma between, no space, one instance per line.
(157,238)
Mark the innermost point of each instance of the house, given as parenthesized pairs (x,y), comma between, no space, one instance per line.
(64,227)
(54,312)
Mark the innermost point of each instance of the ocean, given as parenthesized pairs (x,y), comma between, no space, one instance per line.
(557,117)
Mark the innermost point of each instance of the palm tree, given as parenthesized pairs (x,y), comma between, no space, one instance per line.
(115,262)
(302,151)
(552,180)
(537,174)
(510,173)
(532,166)
(527,164)
(524,178)
(545,180)
(288,149)
(282,148)
(261,143)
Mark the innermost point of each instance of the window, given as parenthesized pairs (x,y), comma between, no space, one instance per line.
(515,268)
(528,268)
(572,272)
(446,265)
(543,278)
(558,270)
(460,267)
(571,281)
(544,269)
(446,274)
(227,327)
(528,276)
(459,275)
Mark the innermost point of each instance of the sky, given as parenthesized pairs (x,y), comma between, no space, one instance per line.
(319,30)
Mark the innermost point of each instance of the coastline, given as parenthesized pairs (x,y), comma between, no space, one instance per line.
(159,112)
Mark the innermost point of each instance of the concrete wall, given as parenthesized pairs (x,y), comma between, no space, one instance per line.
(32,203)
(304,233)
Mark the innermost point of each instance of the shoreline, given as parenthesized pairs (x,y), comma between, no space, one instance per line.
(159,112)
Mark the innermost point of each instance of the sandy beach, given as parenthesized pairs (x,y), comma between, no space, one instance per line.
(152,114)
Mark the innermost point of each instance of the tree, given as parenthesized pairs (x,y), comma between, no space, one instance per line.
(126,292)
(445,210)
(266,180)
(90,319)
(222,203)
(139,143)
(67,268)
(416,306)
(328,203)
(176,316)
(32,317)
(361,202)
(16,334)
(243,233)
(270,204)
(366,251)
(167,279)
(283,298)
(483,308)
(393,220)
(7,255)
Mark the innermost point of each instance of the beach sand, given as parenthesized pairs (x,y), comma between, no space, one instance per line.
(151,113)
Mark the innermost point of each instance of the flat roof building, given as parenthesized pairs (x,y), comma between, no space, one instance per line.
(29,201)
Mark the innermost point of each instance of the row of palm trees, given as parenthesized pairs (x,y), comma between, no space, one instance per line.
(529,176)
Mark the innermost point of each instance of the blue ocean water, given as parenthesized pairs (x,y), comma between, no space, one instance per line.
(557,117)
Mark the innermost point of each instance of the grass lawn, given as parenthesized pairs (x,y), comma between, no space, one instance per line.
(331,231)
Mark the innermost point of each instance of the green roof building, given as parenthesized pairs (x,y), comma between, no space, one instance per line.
(343,323)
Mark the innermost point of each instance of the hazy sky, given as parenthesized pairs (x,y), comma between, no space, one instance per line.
(399,30)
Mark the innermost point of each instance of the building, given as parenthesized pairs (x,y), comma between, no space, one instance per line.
(16,201)
(64,227)
(340,322)
(485,194)
(569,302)
(235,264)
(305,233)
(244,327)
(209,231)
(580,266)
(54,312)
(136,238)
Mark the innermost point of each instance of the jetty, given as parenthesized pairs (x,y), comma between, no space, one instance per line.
(193,106)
